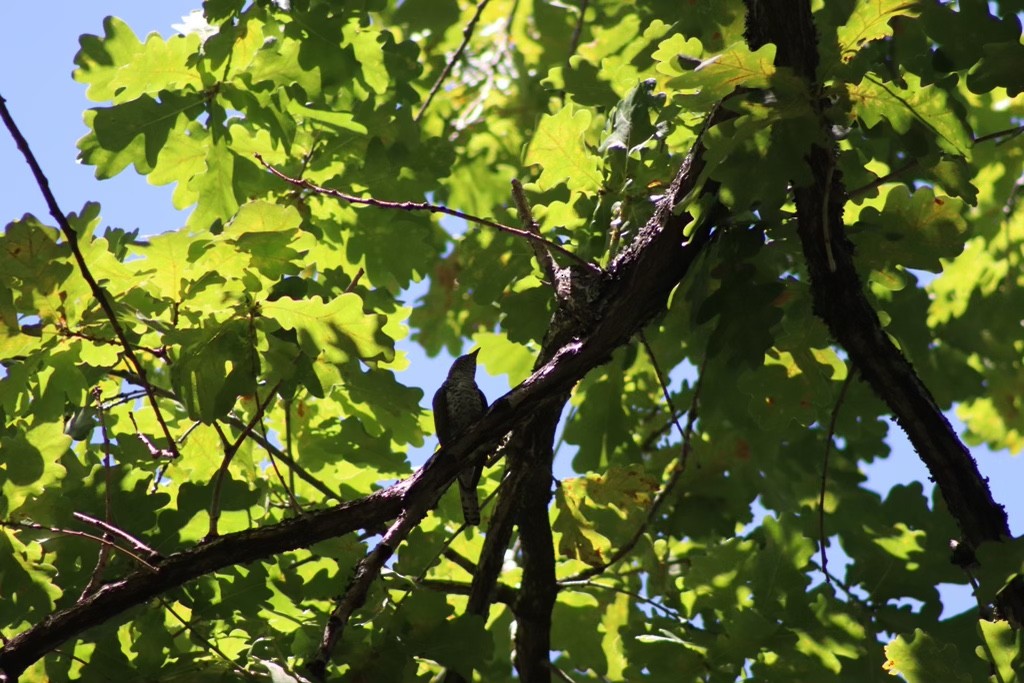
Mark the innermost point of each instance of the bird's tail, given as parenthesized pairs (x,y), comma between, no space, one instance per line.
(470,503)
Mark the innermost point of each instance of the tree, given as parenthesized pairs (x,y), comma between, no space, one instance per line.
(732,237)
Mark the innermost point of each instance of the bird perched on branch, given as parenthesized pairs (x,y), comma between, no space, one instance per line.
(458,404)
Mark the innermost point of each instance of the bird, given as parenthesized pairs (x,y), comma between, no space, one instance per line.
(458,405)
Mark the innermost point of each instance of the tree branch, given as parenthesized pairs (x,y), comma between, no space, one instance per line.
(173,571)
(538,591)
(677,469)
(467,35)
(355,596)
(503,593)
(822,538)
(98,293)
(102,540)
(110,529)
(431,208)
(229,453)
(636,287)
(838,299)
(544,260)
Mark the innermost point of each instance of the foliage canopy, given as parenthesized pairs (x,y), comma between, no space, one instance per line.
(749,234)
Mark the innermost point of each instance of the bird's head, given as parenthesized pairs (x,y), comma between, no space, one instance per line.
(464,366)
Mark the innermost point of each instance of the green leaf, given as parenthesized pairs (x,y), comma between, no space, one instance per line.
(215,189)
(560,149)
(338,329)
(596,107)
(922,660)
(630,122)
(101,60)
(133,132)
(996,69)
(576,535)
(214,367)
(31,463)
(503,357)
(871,20)
(1002,649)
(903,105)
(263,216)
(912,230)
(1000,564)
(721,74)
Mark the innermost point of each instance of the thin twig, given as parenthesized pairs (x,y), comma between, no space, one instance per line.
(664,609)
(103,557)
(544,259)
(229,453)
(678,468)
(574,42)
(154,452)
(664,384)
(271,449)
(355,596)
(455,558)
(446,551)
(824,474)
(425,206)
(209,644)
(355,280)
(503,593)
(68,332)
(562,676)
(126,397)
(1007,133)
(467,34)
(98,293)
(825,223)
(33,526)
(120,533)
(289,460)
(292,500)
(878,182)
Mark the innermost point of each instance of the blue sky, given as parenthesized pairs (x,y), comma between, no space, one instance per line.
(37,53)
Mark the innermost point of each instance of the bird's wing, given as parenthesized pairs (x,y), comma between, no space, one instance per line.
(441,415)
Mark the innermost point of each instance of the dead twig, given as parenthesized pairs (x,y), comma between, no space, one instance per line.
(425,206)
(33,526)
(467,35)
(824,474)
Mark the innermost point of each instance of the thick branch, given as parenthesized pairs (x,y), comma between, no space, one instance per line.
(173,571)
(636,288)
(839,300)
(657,260)
(538,591)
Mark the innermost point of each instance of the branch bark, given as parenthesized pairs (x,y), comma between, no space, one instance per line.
(838,298)
(538,591)
(635,288)
(595,315)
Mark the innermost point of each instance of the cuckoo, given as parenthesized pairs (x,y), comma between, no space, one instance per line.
(458,404)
